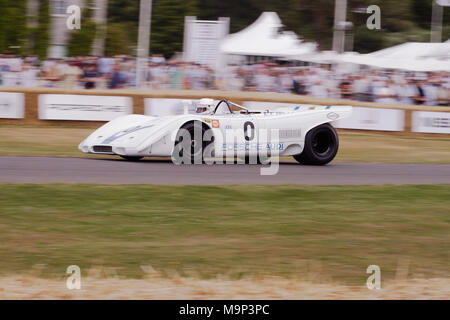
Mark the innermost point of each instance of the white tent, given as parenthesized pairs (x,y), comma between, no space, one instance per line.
(410,56)
(415,50)
(263,38)
(406,63)
(326,57)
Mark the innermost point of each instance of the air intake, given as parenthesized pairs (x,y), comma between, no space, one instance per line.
(102,149)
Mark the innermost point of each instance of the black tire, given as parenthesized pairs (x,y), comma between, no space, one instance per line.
(197,147)
(129,158)
(321,146)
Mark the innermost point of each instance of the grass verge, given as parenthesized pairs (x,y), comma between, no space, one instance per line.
(323,233)
(354,146)
(156,287)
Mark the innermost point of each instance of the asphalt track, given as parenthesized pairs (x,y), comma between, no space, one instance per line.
(118,171)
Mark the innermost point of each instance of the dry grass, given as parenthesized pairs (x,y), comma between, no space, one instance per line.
(376,147)
(41,141)
(334,232)
(354,146)
(175,288)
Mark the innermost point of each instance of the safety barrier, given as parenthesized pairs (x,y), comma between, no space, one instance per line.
(52,106)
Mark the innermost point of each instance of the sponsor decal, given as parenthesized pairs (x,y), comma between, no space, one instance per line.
(83,107)
(436,122)
(328,107)
(332,116)
(373,119)
(312,108)
(431,122)
(208,120)
(290,133)
(86,107)
(245,146)
(5,105)
(266,146)
(215,124)
(12,105)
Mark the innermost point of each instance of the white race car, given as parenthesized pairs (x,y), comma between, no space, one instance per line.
(223,128)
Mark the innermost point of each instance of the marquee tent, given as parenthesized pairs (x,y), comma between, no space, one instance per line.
(263,38)
(410,56)
(415,50)
(325,57)
(407,64)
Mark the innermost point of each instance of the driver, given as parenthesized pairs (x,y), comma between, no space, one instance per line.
(205,105)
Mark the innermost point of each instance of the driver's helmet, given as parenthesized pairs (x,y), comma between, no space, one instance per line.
(205,105)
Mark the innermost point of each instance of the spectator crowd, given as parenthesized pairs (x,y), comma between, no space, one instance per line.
(326,81)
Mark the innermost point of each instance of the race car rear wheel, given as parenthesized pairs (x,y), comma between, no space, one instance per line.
(131,158)
(321,146)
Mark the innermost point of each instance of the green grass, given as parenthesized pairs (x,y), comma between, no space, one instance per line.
(332,231)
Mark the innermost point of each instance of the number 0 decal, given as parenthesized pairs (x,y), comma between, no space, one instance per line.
(252,130)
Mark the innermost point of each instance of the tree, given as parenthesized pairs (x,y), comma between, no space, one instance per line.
(168,25)
(366,40)
(13,26)
(421,10)
(166,29)
(118,39)
(122,26)
(123,11)
(401,21)
(41,33)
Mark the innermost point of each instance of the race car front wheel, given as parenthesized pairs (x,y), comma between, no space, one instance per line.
(321,146)
(190,144)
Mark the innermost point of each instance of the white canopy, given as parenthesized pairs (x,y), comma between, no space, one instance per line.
(415,50)
(406,63)
(263,38)
(410,56)
(326,57)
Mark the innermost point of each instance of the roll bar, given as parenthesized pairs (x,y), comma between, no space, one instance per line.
(228,103)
